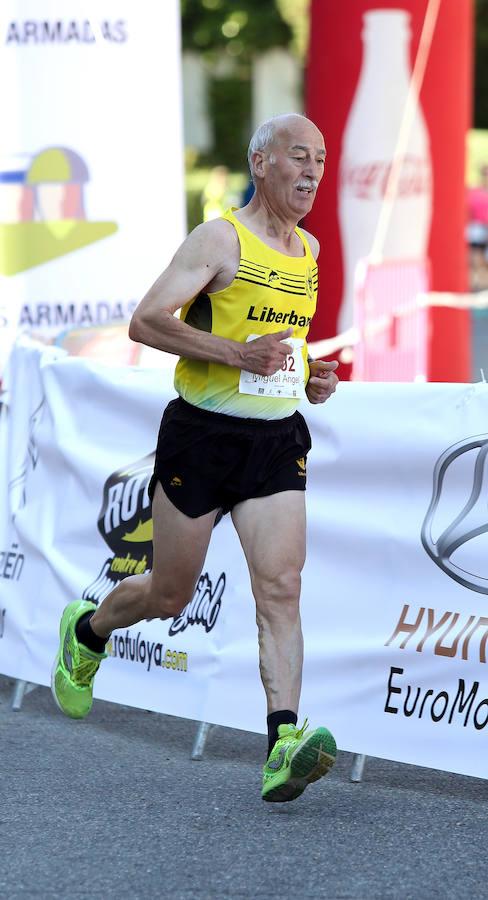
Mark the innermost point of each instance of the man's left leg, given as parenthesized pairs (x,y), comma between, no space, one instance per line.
(272,533)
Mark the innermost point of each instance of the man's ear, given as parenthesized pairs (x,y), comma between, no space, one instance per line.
(257,159)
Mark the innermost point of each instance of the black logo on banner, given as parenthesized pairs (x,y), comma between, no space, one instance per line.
(12,558)
(17,484)
(204,608)
(11,563)
(125,523)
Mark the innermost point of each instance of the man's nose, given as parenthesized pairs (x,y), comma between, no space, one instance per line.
(313,169)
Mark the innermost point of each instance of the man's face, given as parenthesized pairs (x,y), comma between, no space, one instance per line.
(292,168)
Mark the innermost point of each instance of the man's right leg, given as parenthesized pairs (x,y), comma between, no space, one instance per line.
(179,548)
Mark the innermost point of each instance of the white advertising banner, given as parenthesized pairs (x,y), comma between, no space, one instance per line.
(394,587)
(91,159)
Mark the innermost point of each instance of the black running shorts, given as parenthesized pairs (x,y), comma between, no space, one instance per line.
(207,460)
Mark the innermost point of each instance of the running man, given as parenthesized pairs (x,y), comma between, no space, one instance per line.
(233,440)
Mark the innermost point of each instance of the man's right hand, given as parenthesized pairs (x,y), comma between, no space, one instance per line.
(265,355)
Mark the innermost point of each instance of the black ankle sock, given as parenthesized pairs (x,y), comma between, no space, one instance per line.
(86,635)
(280,717)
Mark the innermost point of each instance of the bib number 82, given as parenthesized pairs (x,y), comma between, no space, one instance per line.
(288,364)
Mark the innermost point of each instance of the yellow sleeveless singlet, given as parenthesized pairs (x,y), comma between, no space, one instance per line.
(270,292)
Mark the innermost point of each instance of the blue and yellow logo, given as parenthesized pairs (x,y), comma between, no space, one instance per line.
(42,209)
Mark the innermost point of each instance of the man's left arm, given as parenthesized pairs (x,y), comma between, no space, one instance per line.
(322,382)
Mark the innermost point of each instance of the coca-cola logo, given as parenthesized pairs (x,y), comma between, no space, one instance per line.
(369,181)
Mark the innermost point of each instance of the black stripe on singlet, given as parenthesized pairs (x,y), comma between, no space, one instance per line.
(290,275)
(271,286)
(244,271)
(247,271)
(261,270)
(253,265)
(290,283)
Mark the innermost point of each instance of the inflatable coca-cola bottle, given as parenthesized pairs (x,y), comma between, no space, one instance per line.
(368,149)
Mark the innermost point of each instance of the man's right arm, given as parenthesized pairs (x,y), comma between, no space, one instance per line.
(198,262)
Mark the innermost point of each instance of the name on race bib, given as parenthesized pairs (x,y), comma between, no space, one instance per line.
(287,382)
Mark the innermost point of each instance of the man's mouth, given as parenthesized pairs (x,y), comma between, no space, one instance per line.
(305,188)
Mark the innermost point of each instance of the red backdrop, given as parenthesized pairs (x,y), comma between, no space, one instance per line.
(335,59)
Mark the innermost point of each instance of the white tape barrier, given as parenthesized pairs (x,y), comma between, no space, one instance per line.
(394,588)
(344,342)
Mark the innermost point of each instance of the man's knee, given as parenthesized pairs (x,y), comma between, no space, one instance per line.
(166,600)
(279,590)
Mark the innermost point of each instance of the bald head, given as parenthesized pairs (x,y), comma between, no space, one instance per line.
(281,128)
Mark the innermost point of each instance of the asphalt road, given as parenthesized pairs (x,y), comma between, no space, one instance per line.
(113,807)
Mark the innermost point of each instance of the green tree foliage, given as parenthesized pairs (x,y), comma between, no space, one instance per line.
(481,65)
(230,109)
(240,28)
(230,32)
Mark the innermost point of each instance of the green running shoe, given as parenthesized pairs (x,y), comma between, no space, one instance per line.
(75,665)
(298,758)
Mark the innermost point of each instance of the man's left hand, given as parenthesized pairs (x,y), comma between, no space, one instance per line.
(322,382)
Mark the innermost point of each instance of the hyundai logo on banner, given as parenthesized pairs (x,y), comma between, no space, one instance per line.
(455,528)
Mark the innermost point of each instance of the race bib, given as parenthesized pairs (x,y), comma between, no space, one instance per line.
(288,382)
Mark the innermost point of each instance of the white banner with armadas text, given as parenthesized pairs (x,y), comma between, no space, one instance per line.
(91,160)
(394,587)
